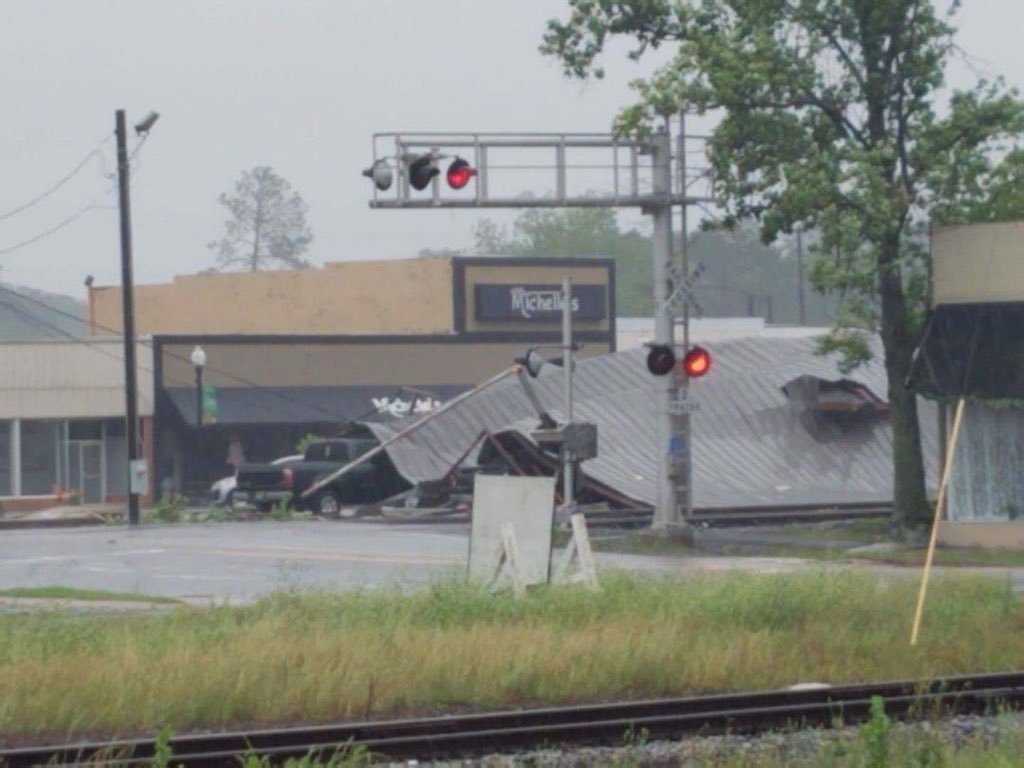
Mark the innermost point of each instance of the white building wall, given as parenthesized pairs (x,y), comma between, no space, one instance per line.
(57,379)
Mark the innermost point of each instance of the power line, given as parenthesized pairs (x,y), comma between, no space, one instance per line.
(70,175)
(73,217)
(52,230)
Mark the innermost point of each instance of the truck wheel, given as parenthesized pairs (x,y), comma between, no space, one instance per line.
(328,504)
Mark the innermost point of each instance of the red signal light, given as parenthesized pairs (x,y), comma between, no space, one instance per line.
(696,362)
(459,173)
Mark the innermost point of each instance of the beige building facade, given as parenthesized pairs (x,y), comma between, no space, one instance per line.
(973,348)
(296,352)
(62,421)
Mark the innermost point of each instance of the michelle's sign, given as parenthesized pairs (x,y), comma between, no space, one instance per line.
(537,303)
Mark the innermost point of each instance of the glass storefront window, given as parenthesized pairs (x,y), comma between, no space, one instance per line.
(40,462)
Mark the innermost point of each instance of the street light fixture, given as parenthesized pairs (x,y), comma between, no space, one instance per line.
(198,358)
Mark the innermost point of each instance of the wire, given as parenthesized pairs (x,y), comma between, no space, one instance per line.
(77,214)
(70,175)
(52,230)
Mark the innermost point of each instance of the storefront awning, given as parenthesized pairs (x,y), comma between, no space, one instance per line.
(972,350)
(307,405)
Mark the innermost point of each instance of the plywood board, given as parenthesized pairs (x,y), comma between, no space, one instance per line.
(526,503)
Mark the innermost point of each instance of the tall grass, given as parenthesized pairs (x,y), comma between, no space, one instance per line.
(320,656)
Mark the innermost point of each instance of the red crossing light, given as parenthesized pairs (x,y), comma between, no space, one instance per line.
(696,362)
(459,173)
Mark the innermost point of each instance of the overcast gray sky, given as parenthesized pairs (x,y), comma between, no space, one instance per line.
(299,85)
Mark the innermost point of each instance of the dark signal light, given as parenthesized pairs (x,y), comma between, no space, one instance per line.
(661,359)
(459,173)
(696,362)
(421,171)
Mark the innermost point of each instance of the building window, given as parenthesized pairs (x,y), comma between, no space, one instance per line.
(91,429)
(40,446)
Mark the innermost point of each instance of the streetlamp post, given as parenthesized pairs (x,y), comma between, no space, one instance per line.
(198,358)
(127,302)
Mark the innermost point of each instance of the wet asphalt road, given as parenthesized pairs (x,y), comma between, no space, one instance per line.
(237,562)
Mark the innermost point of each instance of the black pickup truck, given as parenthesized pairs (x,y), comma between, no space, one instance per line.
(366,483)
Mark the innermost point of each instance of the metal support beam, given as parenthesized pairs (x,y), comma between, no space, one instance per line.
(666,513)
(681,424)
(567,457)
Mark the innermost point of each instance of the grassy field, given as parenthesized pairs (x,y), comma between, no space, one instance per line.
(313,657)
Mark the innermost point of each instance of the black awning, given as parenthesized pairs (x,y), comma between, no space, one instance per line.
(307,405)
(972,350)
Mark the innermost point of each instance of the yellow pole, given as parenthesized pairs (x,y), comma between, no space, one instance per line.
(943,484)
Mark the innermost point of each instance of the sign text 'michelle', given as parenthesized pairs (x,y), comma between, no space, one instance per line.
(533,303)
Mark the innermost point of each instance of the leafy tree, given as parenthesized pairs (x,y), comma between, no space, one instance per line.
(832,116)
(267,224)
(578,232)
(743,275)
(998,195)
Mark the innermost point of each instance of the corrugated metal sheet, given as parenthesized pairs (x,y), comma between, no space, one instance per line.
(751,445)
(55,379)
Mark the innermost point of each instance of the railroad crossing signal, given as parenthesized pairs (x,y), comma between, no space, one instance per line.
(570,170)
(681,293)
(662,359)
(420,170)
(381,175)
(696,362)
(459,173)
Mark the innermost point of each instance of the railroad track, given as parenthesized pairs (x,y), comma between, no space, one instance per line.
(460,735)
(724,517)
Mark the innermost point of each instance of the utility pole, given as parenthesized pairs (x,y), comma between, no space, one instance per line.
(568,468)
(128,305)
(799,227)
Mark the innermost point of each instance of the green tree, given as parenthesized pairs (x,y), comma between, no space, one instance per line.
(267,224)
(993,194)
(577,232)
(832,116)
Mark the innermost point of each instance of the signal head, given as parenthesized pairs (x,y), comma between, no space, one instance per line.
(696,362)
(421,171)
(459,173)
(661,359)
(381,174)
(532,362)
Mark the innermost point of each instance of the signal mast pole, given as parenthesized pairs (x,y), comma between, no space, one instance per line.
(666,512)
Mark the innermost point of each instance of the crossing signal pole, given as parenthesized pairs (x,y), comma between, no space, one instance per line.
(414,158)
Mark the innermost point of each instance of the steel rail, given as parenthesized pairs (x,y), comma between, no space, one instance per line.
(611,723)
(746,516)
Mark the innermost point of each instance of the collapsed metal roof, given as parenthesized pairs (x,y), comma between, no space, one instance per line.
(753,444)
